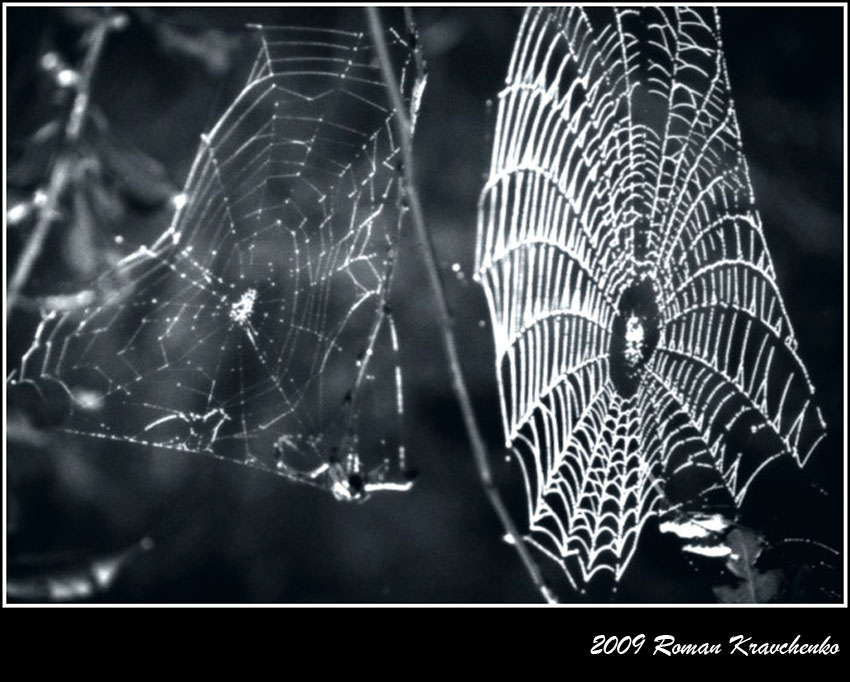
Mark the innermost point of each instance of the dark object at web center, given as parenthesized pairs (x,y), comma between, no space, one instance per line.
(634,335)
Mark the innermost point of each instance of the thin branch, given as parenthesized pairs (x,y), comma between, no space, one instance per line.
(444,314)
(62,170)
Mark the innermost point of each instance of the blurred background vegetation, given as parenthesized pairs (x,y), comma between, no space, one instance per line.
(185,528)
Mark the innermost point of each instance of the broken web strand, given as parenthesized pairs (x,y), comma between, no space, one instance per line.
(236,334)
(623,260)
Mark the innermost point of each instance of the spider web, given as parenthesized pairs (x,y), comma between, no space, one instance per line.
(645,358)
(257,328)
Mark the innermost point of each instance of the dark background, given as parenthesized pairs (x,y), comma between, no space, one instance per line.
(228,534)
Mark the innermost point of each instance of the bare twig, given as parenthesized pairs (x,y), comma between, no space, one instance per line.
(63,168)
(446,321)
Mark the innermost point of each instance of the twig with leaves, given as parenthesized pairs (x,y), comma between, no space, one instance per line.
(62,170)
(444,313)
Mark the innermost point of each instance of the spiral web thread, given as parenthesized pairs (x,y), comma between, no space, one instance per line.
(257,327)
(617,160)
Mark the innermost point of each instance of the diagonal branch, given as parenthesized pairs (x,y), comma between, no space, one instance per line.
(444,314)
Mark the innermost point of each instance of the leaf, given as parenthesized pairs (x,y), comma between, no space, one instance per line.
(38,153)
(140,178)
(763,588)
(754,586)
(82,17)
(106,203)
(80,243)
(212,48)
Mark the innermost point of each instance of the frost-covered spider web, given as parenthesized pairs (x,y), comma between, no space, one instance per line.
(258,327)
(645,357)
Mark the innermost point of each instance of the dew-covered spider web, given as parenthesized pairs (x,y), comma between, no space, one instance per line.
(645,358)
(258,327)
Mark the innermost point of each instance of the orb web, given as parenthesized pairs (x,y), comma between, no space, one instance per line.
(258,327)
(644,354)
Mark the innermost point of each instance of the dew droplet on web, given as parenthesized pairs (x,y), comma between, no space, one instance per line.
(67,78)
(88,400)
(49,61)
